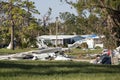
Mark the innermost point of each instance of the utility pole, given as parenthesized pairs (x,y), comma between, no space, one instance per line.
(56,43)
(28,13)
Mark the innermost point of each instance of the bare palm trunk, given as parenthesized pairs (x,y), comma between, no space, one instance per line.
(12,36)
(11,45)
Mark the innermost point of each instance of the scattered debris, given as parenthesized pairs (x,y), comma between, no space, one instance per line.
(43,54)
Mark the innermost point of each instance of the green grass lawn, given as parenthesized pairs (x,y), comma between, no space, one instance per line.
(9,51)
(79,52)
(57,70)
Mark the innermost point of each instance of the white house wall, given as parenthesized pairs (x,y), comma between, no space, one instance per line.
(100,45)
(60,39)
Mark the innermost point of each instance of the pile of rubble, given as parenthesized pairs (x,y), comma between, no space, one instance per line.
(44,54)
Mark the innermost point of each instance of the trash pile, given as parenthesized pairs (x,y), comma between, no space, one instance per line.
(44,54)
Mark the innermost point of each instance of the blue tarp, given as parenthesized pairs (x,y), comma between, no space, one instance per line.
(90,36)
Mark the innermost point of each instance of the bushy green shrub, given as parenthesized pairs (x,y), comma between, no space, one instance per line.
(97,47)
(84,45)
(24,45)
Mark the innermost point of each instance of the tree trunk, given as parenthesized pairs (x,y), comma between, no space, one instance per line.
(11,44)
(12,36)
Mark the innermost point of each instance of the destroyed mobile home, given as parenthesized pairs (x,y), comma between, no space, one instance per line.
(71,41)
(43,54)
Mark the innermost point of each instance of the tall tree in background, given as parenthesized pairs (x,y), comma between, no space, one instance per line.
(30,9)
(11,15)
(15,14)
(108,13)
(83,23)
(45,20)
(30,28)
(69,23)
